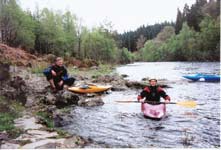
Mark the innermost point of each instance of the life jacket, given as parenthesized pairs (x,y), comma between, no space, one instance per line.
(153,93)
(47,71)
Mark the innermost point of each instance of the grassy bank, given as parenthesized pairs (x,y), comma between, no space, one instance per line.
(93,72)
(9,111)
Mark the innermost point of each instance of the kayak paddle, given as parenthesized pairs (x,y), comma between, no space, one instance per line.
(189,103)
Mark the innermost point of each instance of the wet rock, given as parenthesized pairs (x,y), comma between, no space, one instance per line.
(66,98)
(97,101)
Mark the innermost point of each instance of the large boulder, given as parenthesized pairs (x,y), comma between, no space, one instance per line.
(61,99)
(15,89)
(66,98)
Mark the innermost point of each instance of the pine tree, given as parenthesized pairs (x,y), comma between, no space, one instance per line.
(179,21)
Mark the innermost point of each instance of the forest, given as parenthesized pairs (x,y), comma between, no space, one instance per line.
(194,36)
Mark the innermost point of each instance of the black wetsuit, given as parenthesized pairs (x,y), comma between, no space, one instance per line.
(153,94)
(61,74)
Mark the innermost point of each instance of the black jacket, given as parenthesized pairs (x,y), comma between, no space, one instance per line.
(153,93)
(60,72)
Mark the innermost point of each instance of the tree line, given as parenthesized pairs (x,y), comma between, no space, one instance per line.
(45,31)
(134,40)
(194,35)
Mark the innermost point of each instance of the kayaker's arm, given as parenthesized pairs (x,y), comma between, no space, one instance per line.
(143,94)
(163,94)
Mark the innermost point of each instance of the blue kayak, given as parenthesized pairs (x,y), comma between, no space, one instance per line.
(203,77)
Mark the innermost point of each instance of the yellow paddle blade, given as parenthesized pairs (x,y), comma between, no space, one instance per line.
(189,104)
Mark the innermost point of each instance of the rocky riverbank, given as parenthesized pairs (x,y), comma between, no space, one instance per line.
(44,112)
(30,114)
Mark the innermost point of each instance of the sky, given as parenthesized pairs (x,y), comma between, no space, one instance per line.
(125,15)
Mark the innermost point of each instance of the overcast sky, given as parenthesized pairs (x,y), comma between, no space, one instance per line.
(124,14)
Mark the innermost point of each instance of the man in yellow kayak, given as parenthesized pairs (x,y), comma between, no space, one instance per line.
(57,75)
(153,93)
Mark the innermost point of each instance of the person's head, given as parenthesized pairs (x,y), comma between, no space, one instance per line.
(153,82)
(59,61)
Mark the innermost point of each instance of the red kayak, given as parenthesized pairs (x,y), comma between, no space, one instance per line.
(153,111)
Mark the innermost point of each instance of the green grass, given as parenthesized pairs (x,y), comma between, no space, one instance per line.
(38,68)
(62,133)
(9,111)
(6,121)
(46,118)
(102,69)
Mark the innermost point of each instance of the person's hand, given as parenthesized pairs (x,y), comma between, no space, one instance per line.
(141,100)
(53,73)
(167,101)
(60,83)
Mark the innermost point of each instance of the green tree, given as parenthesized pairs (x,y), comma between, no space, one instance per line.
(17,26)
(97,45)
(210,38)
(179,21)
(125,56)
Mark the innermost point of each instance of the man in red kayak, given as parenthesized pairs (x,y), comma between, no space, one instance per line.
(153,93)
(57,75)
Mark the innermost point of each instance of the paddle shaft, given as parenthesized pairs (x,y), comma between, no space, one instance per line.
(146,102)
(182,103)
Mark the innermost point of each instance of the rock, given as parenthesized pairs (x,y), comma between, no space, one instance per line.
(44,144)
(30,101)
(141,85)
(66,98)
(50,146)
(135,84)
(20,89)
(39,134)
(3,136)
(4,72)
(118,88)
(124,75)
(9,146)
(97,101)
(27,122)
(94,68)
(74,142)
(50,99)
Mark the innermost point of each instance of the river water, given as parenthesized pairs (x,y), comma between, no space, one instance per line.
(123,125)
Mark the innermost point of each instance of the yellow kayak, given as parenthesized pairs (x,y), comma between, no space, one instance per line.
(89,89)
